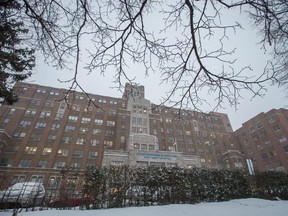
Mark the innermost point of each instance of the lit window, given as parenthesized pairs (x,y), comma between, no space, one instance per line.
(19,134)
(73,118)
(95,142)
(30,150)
(63,152)
(80,141)
(111,123)
(85,120)
(44,114)
(46,151)
(99,121)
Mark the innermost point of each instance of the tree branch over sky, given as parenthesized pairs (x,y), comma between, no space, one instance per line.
(183,40)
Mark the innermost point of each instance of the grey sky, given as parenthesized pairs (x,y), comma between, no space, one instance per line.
(247,53)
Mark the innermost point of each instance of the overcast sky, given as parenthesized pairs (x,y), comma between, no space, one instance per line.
(247,53)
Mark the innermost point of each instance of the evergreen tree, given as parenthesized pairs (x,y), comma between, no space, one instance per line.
(16,62)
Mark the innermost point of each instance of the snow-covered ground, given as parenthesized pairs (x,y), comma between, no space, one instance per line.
(239,207)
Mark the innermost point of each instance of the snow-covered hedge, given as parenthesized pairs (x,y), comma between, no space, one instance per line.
(126,186)
(270,185)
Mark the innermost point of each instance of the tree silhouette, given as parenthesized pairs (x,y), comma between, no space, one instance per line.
(171,38)
(16,62)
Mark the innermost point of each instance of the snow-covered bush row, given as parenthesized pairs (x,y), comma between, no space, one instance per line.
(270,185)
(126,186)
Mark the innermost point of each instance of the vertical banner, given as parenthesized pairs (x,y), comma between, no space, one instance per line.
(250,166)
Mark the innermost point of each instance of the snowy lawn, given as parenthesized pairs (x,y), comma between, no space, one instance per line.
(239,207)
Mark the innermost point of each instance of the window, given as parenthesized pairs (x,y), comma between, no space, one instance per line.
(122,139)
(78,97)
(35,137)
(35,102)
(5,161)
(286,148)
(69,128)
(169,120)
(63,152)
(42,163)
(108,143)
(169,131)
(30,150)
(75,165)
(252,129)
(24,123)
(255,137)
(276,128)
(19,134)
(40,125)
(187,132)
(80,141)
(41,91)
(72,118)
(102,100)
(46,151)
(282,138)
(49,104)
(109,133)
(268,143)
(271,119)
(25,163)
(54,182)
(51,137)
(78,153)
(190,141)
(45,114)
(92,155)
(264,156)
(85,120)
(113,102)
(95,142)
(97,131)
(55,126)
(59,164)
(12,111)
(263,133)
(136,146)
(99,121)
(111,112)
(111,123)
(5,122)
(59,116)
(36,179)
(204,133)
(83,129)
(259,125)
(66,139)
(76,108)
(52,93)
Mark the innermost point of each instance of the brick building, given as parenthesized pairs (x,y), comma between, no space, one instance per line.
(263,140)
(50,130)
